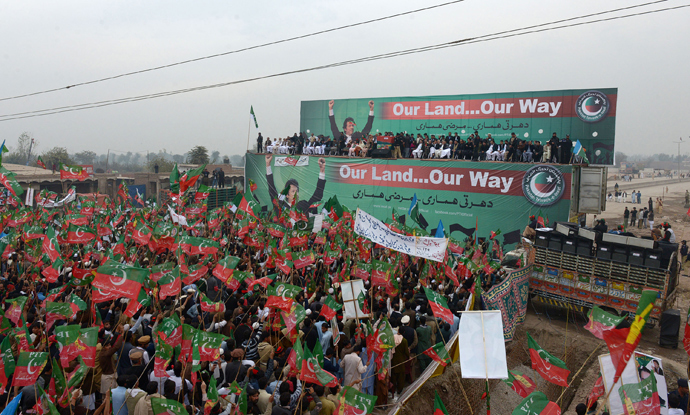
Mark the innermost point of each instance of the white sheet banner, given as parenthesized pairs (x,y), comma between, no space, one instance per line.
(296,161)
(482,349)
(377,232)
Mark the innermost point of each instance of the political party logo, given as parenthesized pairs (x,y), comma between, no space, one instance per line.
(543,185)
(592,106)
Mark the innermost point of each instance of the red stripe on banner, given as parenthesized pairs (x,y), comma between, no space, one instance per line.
(498,182)
(463,109)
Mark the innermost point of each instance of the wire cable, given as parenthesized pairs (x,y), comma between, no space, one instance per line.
(276,42)
(484,38)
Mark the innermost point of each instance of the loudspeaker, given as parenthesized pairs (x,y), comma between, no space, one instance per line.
(669,327)
(569,245)
(652,258)
(555,242)
(636,257)
(584,248)
(620,253)
(667,249)
(383,153)
(542,239)
(604,252)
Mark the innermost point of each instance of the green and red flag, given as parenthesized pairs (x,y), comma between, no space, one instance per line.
(380,273)
(52,271)
(237,278)
(202,193)
(88,342)
(192,245)
(439,305)
(143,300)
(362,303)
(162,406)
(302,259)
(211,307)
(354,402)
(50,244)
(644,309)
(123,280)
(77,376)
(282,295)
(141,232)
(600,321)
(548,366)
(32,232)
(8,180)
(438,353)
(158,271)
(439,407)
(170,330)
(330,308)
(597,391)
(537,404)
(164,354)
(40,163)
(80,234)
(225,267)
(383,336)
(68,172)
(520,383)
(640,398)
(14,313)
(67,336)
(170,284)
(7,364)
(363,271)
(57,311)
(175,180)
(189,178)
(313,373)
(50,408)
(206,345)
(88,207)
(211,396)
(29,366)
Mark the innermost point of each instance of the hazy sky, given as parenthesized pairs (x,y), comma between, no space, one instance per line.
(50,44)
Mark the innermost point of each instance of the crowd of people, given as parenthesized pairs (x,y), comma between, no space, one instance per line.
(424,146)
(121,311)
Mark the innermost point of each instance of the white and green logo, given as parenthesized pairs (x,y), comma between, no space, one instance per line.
(592,106)
(543,185)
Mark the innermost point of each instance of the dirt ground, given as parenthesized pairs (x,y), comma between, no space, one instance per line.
(562,333)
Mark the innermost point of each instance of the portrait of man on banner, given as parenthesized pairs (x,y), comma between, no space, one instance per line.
(289,196)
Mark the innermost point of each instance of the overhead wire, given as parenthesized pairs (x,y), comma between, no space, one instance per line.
(216,55)
(484,38)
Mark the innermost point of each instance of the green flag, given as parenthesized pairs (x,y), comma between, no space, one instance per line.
(253,116)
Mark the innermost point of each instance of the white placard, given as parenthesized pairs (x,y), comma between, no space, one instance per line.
(377,232)
(482,350)
(282,162)
(608,370)
(351,290)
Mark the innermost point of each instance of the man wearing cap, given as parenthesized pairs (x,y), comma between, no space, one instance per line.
(681,393)
(349,124)
(141,347)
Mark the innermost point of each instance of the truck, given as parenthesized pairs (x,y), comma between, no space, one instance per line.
(576,268)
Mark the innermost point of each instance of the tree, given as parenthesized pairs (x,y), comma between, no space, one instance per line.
(237,160)
(85,157)
(198,155)
(178,158)
(621,158)
(215,156)
(164,166)
(56,155)
(20,153)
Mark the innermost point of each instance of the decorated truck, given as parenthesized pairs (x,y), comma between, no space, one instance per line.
(577,269)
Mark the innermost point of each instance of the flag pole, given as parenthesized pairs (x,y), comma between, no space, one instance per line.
(249,128)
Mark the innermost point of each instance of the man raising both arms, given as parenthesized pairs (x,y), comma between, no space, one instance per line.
(349,124)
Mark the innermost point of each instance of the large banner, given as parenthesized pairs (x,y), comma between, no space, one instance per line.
(588,115)
(463,194)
